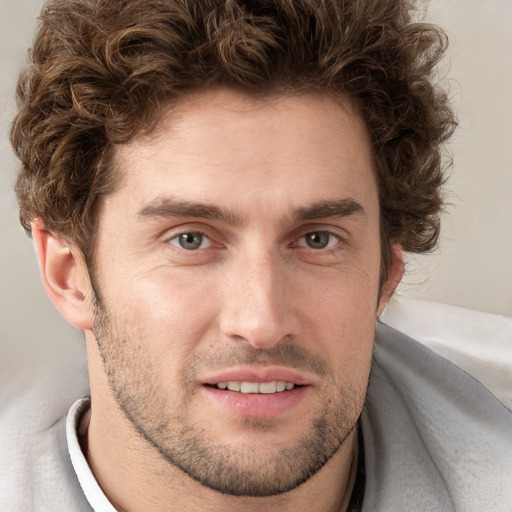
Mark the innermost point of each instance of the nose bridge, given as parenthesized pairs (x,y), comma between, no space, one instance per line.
(257,307)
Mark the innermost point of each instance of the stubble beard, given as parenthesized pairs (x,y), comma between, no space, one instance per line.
(161,417)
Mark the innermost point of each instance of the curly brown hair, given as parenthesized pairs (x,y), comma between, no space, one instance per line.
(103,71)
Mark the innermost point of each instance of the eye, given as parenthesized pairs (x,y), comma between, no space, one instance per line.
(318,240)
(191,241)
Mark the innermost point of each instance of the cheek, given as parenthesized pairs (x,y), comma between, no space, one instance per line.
(344,313)
(347,297)
(174,309)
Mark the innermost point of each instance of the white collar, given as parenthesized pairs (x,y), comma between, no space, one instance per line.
(90,486)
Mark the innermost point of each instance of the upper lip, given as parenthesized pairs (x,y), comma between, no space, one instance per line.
(258,374)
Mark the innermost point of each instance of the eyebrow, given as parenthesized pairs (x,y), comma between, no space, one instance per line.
(172,207)
(337,208)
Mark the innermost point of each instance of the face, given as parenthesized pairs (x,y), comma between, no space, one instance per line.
(237,273)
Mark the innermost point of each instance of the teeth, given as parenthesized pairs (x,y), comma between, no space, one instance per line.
(234,386)
(249,387)
(266,388)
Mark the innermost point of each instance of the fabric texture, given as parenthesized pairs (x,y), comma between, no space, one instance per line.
(434,440)
(480,343)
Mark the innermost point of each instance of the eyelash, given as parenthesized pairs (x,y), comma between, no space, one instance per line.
(332,240)
(203,236)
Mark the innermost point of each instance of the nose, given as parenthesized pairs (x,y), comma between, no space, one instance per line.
(258,305)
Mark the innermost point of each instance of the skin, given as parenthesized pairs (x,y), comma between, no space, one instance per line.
(275,277)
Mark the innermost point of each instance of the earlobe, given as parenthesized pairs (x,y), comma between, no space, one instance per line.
(395,274)
(64,275)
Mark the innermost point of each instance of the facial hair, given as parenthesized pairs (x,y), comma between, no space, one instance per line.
(163,417)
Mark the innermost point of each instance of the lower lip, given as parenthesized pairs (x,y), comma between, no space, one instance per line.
(253,405)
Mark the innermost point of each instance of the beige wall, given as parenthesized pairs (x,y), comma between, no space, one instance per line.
(473,267)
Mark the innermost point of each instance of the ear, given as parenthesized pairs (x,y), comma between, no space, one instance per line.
(395,273)
(65,276)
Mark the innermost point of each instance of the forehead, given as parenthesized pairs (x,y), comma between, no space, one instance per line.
(224,145)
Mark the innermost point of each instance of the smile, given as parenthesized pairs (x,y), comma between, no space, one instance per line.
(266,388)
(248,392)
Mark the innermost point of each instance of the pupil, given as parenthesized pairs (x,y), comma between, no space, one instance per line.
(318,240)
(191,240)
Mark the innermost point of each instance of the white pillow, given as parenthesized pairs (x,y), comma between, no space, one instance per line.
(479,343)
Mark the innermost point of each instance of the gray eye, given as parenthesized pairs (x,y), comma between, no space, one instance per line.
(318,240)
(190,241)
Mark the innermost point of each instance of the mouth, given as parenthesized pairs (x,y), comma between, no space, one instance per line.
(260,388)
(257,392)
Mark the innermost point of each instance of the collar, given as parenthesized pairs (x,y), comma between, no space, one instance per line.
(92,490)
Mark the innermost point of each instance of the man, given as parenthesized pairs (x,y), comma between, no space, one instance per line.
(219,195)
